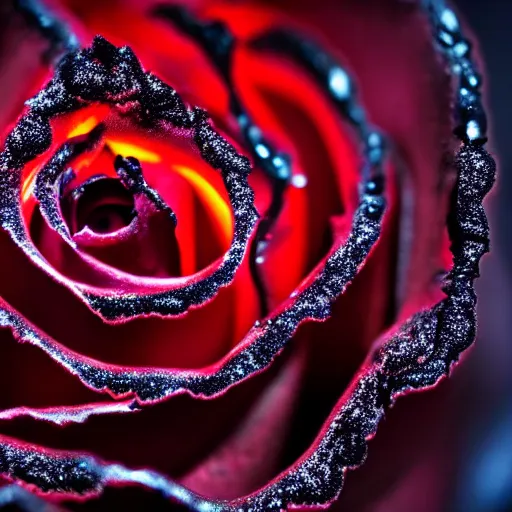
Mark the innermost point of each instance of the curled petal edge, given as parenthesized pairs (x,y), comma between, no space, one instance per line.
(114,76)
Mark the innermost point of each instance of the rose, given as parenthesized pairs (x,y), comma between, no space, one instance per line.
(106,205)
(118,211)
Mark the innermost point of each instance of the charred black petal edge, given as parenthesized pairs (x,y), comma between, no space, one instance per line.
(55,175)
(104,73)
(129,171)
(416,357)
(51,180)
(218,43)
(267,339)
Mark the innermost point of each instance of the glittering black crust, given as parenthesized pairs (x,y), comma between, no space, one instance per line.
(415,357)
(426,347)
(51,179)
(113,75)
(218,43)
(129,171)
(48,470)
(267,339)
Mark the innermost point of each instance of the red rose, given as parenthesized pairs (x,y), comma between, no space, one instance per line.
(149,257)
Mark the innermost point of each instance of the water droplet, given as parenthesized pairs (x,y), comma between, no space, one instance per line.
(449,20)
(299,181)
(262,151)
(473,130)
(339,83)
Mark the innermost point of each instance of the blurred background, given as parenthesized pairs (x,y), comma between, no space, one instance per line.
(485,477)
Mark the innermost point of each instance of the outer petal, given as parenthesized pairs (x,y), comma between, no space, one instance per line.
(418,149)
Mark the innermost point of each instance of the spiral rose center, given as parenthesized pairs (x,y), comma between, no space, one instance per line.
(102,204)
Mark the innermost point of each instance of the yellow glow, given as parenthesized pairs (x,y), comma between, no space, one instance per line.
(84,127)
(214,202)
(125,149)
(28,185)
(212,199)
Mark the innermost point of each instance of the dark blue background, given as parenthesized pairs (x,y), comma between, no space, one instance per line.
(486,454)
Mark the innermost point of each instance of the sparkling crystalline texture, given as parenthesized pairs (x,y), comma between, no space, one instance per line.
(257,350)
(113,75)
(414,357)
